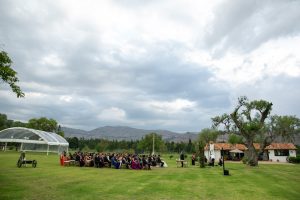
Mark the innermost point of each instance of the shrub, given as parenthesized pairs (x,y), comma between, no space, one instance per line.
(245,160)
(294,159)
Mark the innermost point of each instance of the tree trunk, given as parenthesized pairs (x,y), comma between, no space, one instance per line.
(251,155)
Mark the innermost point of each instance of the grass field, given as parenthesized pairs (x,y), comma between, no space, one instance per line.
(51,181)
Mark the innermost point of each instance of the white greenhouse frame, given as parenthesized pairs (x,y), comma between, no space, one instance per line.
(26,136)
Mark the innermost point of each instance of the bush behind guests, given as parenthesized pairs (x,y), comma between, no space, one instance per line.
(294,159)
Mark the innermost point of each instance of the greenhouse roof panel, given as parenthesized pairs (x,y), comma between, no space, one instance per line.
(26,135)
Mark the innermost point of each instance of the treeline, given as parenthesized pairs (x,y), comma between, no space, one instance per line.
(144,145)
(43,124)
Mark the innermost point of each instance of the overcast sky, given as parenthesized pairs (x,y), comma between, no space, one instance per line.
(149,64)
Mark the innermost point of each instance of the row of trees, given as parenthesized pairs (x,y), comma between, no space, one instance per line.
(43,123)
(144,145)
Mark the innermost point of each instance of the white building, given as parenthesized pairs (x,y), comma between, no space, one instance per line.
(231,152)
(278,152)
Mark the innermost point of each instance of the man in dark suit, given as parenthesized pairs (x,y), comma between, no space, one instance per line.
(182,158)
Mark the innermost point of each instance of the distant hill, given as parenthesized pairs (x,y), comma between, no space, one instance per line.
(72,132)
(127,133)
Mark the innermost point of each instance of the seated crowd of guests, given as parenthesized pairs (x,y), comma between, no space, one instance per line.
(116,160)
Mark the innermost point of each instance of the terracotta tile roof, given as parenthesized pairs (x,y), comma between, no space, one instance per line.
(242,147)
(227,146)
(281,146)
(256,146)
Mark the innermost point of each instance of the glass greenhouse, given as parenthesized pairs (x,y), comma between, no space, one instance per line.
(34,140)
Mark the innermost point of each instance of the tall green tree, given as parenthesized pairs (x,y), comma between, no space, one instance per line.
(205,136)
(59,131)
(8,75)
(8,123)
(146,143)
(3,122)
(208,135)
(73,142)
(190,147)
(287,127)
(235,139)
(249,118)
(45,124)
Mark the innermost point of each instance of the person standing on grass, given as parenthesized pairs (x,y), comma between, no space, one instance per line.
(193,159)
(181,158)
(62,158)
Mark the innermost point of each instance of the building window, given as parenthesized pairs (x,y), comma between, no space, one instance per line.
(282,152)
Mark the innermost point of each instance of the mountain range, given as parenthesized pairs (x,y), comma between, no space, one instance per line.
(128,133)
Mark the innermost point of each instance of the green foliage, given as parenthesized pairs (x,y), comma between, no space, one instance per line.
(235,139)
(249,119)
(8,75)
(294,159)
(245,160)
(298,150)
(146,143)
(73,142)
(45,124)
(206,135)
(59,131)
(19,124)
(7,123)
(103,146)
(190,148)
(3,122)
(285,126)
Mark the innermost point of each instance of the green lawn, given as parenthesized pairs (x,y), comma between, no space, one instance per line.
(51,181)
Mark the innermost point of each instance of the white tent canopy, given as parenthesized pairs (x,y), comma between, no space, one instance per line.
(34,140)
(236,151)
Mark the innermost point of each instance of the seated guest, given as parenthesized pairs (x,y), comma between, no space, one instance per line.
(159,162)
(145,163)
(107,159)
(115,162)
(77,158)
(87,160)
(164,164)
(135,164)
(81,160)
(153,159)
(101,160)
(97,161)
(125,162)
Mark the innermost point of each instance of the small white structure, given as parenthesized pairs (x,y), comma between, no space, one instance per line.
(278,152)
(34,140)
(214,150)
